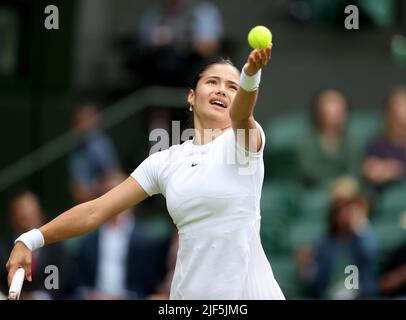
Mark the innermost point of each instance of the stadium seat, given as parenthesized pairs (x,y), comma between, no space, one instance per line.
(391,203)
(390,234)
(278,209)
(282,135)
(365,125)
(285,271)
(314,203)
(305,232)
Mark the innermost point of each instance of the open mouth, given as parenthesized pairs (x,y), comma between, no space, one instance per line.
(218,102)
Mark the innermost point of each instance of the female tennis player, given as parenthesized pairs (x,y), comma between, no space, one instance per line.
(213,201)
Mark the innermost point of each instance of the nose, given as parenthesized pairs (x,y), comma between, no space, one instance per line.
(221,91)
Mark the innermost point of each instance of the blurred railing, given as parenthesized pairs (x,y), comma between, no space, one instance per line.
(111,116)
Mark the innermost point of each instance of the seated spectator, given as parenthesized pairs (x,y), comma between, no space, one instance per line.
(163,290)
(385,161)
(119,261)
(176,38)
(328,151)
(331,13)
(348,241)
(94,157)
(392,282)
(25,214)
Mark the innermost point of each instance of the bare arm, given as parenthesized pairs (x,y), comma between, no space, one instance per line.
(88,216)
(79,220)
(377,170)
(241,111)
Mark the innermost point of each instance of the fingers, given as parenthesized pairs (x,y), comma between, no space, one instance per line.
(11,272)
(16,261)
(260,57)
(28,275)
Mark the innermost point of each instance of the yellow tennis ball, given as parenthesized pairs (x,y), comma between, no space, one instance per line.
(259,37)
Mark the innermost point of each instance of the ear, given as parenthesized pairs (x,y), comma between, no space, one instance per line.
(191,97)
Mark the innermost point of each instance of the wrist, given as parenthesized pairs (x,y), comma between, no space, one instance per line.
(33,239)
(250,83)
(250,69)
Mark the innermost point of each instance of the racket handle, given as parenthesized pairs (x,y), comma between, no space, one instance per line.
(16,284)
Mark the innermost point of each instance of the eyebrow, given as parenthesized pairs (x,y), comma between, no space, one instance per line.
(218,78)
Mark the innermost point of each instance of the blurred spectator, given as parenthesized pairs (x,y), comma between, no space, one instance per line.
(393,278)
(163,290)
(331,12)
(385,162)
(94,157)
(176,38)
(328,151)
(348,241)
(25,214)
(120,260)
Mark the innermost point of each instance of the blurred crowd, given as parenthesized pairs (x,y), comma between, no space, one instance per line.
(334,194)
(123,259)
(334,197)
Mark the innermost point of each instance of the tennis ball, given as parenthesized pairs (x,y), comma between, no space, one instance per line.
(259,37)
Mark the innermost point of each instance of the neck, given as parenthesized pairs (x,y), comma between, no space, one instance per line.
(207,133)
(330,138)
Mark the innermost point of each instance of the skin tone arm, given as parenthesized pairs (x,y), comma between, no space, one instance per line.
(79,220)
(241,111)
(379,171)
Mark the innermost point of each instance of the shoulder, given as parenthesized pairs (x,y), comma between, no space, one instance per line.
(171,151)
(99,140)
(159,159)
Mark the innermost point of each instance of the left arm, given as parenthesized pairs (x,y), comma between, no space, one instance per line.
(241,111)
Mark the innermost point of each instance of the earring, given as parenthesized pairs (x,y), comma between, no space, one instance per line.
(190,108)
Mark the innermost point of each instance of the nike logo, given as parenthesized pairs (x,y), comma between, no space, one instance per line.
(194,164)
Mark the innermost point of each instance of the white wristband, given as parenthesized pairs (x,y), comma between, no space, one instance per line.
(32,239)
(250,83)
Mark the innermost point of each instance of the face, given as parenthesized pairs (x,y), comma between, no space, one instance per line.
(213,96)
(26,213)
(349,212)
(332,110)
(86,119)
(397,113)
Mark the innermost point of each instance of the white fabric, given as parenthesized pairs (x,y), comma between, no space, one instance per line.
(33,239)
(216,208)
(113,249)
(250,83)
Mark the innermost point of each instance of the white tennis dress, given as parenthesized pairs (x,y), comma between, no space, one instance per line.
(213,195)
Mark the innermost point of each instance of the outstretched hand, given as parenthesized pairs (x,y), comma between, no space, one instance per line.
(20,256)
(257,59)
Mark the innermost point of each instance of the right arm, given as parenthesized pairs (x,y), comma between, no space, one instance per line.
(79,220)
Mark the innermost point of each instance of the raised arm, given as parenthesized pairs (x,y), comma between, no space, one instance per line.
(241,111)
(79,220)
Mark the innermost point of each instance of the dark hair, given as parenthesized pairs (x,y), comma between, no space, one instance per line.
(335,208)
(216,60)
